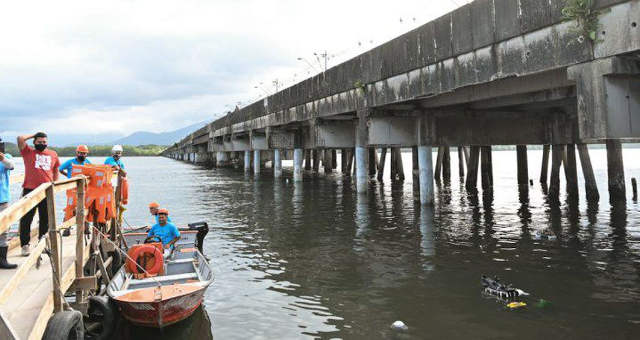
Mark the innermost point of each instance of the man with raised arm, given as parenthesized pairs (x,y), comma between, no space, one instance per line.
(6,165)
(40,166)
(115,160)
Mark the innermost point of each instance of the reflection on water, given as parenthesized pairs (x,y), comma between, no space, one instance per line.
(316,260)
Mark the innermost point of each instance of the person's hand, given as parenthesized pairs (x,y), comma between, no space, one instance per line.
(166,246)
(1,156)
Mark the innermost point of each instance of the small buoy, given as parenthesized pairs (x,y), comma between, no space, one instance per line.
(399,326)
(514,305)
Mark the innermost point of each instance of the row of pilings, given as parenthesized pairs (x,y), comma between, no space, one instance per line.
(474,163)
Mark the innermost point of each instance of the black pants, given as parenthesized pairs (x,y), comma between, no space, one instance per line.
(25,221)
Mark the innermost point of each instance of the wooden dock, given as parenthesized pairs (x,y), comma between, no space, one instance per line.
(36,289)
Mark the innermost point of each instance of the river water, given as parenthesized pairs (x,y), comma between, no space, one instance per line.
(317,260)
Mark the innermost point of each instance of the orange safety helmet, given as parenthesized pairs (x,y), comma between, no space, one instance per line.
(154,205)
(82,148)
(163,211)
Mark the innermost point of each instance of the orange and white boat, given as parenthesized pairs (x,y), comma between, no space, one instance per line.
(167,290)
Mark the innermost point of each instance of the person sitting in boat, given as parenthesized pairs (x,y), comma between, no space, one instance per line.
(81,159)
(153,209)
(165,231)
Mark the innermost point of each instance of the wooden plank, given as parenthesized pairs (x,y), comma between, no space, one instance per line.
(19,208)
(64,187)
(67,224)
(87,282)
(22,270)
(80,215)
(56,266)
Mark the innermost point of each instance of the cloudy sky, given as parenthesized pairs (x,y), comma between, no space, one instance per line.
(108,68)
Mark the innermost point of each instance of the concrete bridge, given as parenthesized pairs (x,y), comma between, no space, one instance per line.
(493,72)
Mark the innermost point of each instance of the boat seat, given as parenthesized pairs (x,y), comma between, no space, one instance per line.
(186,276)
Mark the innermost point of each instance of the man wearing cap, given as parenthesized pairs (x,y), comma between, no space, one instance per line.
(115,161)
(40,166)
(153,209)
(167,232)
(81,159)
(6,165)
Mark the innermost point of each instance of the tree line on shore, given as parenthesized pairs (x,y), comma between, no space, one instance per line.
(98,150)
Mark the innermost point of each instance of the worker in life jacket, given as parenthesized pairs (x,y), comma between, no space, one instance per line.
(165,231)
(153,209)
(81,159)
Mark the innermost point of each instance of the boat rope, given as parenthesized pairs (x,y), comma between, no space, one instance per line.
(106,237)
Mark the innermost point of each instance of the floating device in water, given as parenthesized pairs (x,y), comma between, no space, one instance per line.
(399,326)
(516,304)
(497,288)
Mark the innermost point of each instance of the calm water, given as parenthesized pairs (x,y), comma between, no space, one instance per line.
(318,260)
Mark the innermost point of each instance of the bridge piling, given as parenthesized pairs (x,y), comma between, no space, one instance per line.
(297,165)
(545,164)
(334,159)
(615,171)
(446,164)
(316,161)
(361,169)
(399,164)
(472,169)
(247,161)
(256,162)
(350,157)
(373,162)
(557,151)
(571,172)
(590,187)
(523,167)
(425,165)
(277,164)
(461,162)
(383,159)
(307,159)
(486,168)
(327,163)
(438,170)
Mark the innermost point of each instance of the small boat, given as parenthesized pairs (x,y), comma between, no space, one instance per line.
(171,295)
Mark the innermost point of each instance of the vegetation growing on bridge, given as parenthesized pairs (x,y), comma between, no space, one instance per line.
(586,17)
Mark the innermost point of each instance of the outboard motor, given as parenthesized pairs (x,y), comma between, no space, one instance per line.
(203,229)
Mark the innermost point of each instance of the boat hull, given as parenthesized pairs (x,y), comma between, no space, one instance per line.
(161,313)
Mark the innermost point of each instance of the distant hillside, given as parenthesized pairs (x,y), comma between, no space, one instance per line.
(163,138)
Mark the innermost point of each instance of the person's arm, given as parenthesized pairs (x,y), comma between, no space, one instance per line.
(22,140)
(170,244)
(56,174)
(64,168)
(7,162)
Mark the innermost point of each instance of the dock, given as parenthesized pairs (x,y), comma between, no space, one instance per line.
(52,278)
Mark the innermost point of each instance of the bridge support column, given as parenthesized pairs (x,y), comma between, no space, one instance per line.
(334,159)
(425,165)
(571,172)
(256,162)
(343,161)
(327,163)
(590,186)
(361,169)
(316,160)
(381,163)
(247,161)
(446,164)
(222,159)
(554,180)
(438,170)
(307,159)
(297,165)
(472,169)
(487,168)
(523,166)
(277,163)
(615,171)
(461,162)
(545,164)
(399,164)
(373,162)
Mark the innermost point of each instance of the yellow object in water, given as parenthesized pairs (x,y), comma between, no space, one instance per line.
(514,305)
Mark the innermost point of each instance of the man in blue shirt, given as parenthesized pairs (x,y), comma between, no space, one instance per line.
(115,161)
(6,165)
(167,232)
(153,209)
(81,159)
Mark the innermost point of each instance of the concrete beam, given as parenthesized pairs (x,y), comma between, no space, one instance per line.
(331,134)
(392,131)
(259,141)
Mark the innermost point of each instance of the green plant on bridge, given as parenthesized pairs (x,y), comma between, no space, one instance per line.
(585,15)
(360,86)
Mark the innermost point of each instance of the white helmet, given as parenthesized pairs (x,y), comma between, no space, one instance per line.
(116,148)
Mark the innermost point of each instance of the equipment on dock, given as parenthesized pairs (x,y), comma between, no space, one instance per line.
(172,293)
(496,288)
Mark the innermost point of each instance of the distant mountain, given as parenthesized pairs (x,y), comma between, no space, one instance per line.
(162,138)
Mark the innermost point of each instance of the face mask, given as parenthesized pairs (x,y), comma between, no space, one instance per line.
(81,158)
(41,147)
(116,157)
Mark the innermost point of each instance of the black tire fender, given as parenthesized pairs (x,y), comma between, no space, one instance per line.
(101,305)
(116,263)
(65,325)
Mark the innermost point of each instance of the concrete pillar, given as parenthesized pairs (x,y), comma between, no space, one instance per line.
(350,156)
(327,163)
(545,164)
(222,158)
(393,165)
(247,161)
(256,162)
(277,163)
(361,169)
(316,160)
(615,171)
(554,181)
(472,169)
(415,167)
(438,171)
(307,159)
(571,172)
(425,165)
(399,164)
(334,159)
(523,166)
(461,162)
(343,161)
(590,186)
(446,164)
(297,165)
(487,168)
(373,164)
(383,159)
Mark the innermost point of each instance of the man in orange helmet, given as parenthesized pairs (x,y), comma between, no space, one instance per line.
(153,209)
(165,231)
(81,159)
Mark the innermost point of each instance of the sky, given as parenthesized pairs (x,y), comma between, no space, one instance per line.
(101,70)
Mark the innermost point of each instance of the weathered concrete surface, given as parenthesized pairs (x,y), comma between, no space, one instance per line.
(491,72)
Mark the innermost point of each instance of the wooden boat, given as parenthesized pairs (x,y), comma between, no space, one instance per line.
(171,296)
